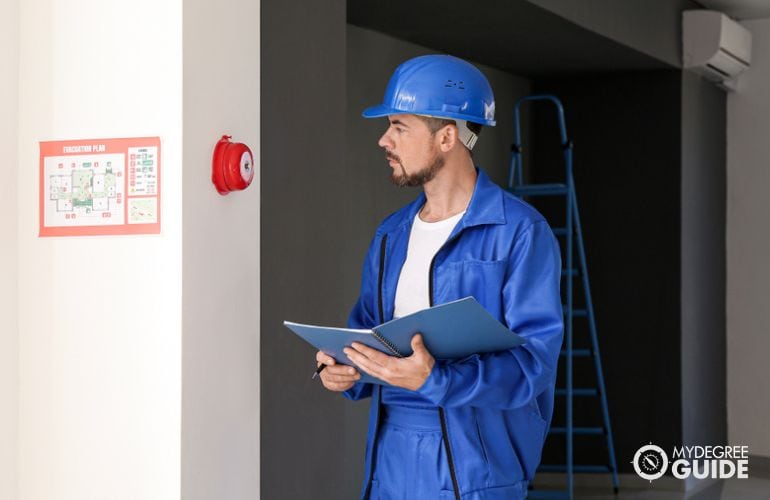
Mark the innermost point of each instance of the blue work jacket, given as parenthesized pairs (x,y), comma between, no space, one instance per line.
(495,408)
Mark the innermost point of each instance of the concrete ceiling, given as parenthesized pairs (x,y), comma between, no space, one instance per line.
(512,35)
(740,9)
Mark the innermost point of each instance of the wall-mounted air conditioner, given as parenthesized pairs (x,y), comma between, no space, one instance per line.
(715,46)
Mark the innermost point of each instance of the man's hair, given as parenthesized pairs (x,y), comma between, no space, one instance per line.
(436,124)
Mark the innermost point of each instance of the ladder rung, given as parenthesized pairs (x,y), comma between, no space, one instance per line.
(559,231)
(578,353)
(576,468)
(565,272)
(576,313)
(582,391)
(585,431)
(540,190)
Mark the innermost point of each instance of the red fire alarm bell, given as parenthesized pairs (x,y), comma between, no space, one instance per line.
(232,168)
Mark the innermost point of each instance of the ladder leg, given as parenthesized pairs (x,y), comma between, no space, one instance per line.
(516,168)
(572,231)
(568,325)
(595,346)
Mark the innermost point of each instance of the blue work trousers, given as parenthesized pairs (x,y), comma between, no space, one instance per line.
(411,461)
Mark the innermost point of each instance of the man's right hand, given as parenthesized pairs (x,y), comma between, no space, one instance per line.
(336,377)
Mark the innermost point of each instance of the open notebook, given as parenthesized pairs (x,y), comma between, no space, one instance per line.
(452,330)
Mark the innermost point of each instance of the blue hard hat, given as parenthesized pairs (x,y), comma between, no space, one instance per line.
(440,86)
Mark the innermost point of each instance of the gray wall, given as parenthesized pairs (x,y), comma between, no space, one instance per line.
(653,27)
(704,377)
(748,247)
(650,177)
(310,440)
(325,189)
(518,36)
(626,131)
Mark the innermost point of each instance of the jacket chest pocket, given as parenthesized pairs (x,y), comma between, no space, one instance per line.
(482,279)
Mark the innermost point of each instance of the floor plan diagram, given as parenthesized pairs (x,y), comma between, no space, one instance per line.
(107,186)
(86,189)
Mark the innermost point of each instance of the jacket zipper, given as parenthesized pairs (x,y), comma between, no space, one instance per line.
(379,403)
(442,416)
(379,281)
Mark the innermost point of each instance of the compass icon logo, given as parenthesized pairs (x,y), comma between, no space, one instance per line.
(650,462)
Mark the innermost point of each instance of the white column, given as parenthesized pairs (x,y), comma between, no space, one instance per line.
(101,399)
(100,317)
(9,330)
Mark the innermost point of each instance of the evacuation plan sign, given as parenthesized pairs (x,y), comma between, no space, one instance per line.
(100,186)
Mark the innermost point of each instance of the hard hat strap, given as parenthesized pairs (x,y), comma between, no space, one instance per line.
(467,137)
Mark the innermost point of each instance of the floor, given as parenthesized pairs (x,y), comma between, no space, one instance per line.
(727,489)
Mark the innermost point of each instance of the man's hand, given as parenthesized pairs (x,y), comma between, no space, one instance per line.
(336,377)
(409,373)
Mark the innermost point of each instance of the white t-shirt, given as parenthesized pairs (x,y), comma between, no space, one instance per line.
(424,241)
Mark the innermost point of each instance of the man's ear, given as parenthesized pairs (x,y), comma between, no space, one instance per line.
(448,137)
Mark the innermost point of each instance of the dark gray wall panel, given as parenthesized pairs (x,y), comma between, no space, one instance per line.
(305,223)
(647,149)
(513,35)
(325,189)
(653,27)
(626,131)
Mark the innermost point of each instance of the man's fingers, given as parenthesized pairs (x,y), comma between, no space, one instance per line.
(373,354)
(324,358)
(346,378)
(417,344)
(364,363)
(340,373)
(340,370)
(339,377)
(338,387)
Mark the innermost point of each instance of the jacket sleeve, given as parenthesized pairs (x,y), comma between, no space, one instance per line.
(363,314)
(532,308)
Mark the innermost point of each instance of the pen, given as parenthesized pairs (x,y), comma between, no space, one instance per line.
(317,371)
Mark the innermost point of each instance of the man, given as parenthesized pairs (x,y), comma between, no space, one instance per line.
(471,428)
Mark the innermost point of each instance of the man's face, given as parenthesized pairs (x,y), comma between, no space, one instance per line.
(411,151)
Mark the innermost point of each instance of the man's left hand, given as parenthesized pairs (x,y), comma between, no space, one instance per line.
(409,373)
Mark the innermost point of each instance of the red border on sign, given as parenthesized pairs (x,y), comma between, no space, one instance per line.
(113,146)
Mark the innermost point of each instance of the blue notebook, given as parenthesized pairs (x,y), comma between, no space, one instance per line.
(450,331)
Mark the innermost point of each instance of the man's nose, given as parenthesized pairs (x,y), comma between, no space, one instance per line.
(385,141)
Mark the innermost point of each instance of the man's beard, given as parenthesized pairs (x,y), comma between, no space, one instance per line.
(418,178)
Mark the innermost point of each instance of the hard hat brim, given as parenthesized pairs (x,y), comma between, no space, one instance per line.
(381,110)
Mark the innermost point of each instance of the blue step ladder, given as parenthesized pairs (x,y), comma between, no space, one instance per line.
(570,232)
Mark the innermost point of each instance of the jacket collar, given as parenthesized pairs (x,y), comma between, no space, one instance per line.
(485,207)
